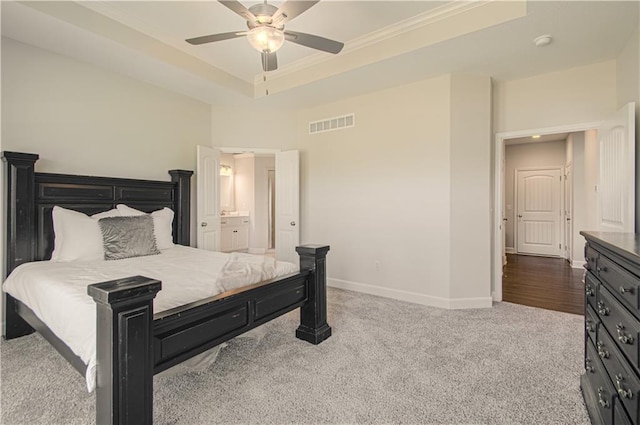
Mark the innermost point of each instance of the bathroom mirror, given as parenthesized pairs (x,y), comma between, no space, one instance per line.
(226,193)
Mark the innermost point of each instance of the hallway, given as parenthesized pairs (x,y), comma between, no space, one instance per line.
(543,282)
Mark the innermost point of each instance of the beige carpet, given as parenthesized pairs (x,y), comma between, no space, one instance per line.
(387,362)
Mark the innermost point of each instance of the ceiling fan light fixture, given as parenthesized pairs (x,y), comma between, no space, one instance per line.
(265,38)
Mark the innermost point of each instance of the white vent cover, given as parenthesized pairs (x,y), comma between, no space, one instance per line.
(331,124)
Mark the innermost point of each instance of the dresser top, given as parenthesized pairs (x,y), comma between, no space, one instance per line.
(626,245)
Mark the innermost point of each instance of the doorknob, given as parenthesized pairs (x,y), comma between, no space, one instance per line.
(293,223)
(203,224)
(519,215)
(568,218)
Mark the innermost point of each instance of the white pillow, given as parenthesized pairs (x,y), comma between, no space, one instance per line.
(162,224)
(77,236)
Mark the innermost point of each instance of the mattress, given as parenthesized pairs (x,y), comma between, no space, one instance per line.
(57,291)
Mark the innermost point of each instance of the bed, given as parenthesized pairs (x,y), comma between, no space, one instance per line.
(132,341)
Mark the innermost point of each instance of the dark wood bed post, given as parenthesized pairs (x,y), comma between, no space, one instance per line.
(182,230)
(19,177)
(313,314)
(124,381)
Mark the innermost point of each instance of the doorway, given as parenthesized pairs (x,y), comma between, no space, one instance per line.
(606,179)
(252,212)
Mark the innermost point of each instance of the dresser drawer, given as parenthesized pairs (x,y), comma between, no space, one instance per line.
(620,416)
(591,284)
(591,323)
(598,390)
(620,281)
(591,257)
(624,379)
(620,323)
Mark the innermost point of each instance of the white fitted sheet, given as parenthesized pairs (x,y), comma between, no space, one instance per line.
(57,292)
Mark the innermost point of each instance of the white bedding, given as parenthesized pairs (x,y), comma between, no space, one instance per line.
(57,292)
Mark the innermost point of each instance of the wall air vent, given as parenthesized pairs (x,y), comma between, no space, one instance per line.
(331,124)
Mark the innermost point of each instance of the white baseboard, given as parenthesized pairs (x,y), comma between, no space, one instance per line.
(578,264)
(412,297)
(509,250)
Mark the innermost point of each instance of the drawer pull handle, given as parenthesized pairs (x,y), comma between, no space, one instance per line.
(589,325)
(603,309)
(604,354)
(602,269)
(623,393)
(604,403)
(588,366)
(622,337)
(624,290)
(589,291)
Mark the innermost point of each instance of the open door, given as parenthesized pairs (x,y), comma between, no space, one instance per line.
(208,198)
(287,205)
(616,186)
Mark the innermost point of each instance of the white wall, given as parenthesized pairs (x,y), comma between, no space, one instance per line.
(572,96)
(527,155)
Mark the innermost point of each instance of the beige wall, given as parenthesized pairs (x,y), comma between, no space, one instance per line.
(628,90)
(470,242)
(386,193)
(527,155)
(572,96)
(85,120)
(253,128)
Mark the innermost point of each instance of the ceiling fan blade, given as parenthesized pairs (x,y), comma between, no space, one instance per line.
(290,9)
(269,61)
(314,41)
(215,37)
(237,7)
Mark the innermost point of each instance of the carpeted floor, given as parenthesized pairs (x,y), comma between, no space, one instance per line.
(387,362)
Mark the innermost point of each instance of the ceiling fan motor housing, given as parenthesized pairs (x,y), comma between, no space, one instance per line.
(262,11)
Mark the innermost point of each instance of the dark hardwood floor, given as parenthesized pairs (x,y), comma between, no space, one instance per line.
(543,282)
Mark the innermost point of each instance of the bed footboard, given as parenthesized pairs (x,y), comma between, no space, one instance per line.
(128,336)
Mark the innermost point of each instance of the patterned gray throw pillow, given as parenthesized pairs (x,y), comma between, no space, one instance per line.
(126,237)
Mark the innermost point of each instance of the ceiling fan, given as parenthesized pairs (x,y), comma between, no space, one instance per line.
(266,30)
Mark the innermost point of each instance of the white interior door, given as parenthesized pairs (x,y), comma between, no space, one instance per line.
(287,205)
(568,208)
(538,199)
(616,186)
(208,198)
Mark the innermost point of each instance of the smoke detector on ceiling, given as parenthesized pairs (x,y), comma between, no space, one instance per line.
(542,40)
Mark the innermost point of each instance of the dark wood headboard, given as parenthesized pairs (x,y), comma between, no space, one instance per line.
(30,198)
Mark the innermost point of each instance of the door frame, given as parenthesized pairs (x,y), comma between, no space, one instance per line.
(499,196)
(567,213)
(516,230)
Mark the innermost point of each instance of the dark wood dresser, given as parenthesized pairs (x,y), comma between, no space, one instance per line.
(611,382)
